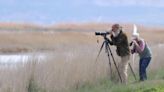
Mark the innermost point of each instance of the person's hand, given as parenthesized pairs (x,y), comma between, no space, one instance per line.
(109,41)
(134,42)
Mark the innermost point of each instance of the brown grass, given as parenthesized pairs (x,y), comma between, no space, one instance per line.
(71,59)
(70,66)
(30,41)
(89,26)
(20,26)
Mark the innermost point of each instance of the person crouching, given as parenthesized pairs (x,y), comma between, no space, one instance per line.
(145,54)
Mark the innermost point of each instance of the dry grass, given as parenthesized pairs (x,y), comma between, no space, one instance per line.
(70,66)
(70,26)
(20,26)
(71,60)
(32,41)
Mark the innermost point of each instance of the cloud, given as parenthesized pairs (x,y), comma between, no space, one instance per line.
(150,3)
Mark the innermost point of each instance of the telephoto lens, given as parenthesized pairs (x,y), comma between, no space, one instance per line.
(102,33)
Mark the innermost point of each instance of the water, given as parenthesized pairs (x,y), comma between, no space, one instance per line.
(12,59)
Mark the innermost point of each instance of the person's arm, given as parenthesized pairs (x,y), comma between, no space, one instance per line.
(139,46)
(110,41)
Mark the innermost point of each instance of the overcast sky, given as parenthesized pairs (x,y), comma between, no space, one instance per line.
(148,12)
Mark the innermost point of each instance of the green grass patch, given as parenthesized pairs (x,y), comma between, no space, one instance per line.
(155,83)
(108,86)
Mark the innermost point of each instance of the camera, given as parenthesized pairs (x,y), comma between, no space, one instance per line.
(131,43)
(102,33)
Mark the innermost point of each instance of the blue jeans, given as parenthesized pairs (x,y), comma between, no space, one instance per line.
(143,64)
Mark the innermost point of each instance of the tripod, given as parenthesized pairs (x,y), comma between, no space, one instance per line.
(108,50)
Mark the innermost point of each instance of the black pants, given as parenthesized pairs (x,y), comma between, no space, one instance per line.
(143,64)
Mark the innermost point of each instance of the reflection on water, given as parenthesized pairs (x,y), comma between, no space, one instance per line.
(12,59)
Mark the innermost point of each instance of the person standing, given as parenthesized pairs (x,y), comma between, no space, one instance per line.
(119,39)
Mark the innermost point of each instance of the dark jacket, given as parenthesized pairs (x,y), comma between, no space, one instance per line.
(121,42)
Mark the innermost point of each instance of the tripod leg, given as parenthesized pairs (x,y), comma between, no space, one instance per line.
(115,63)
(132,71)
(110,65)
(100,51)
